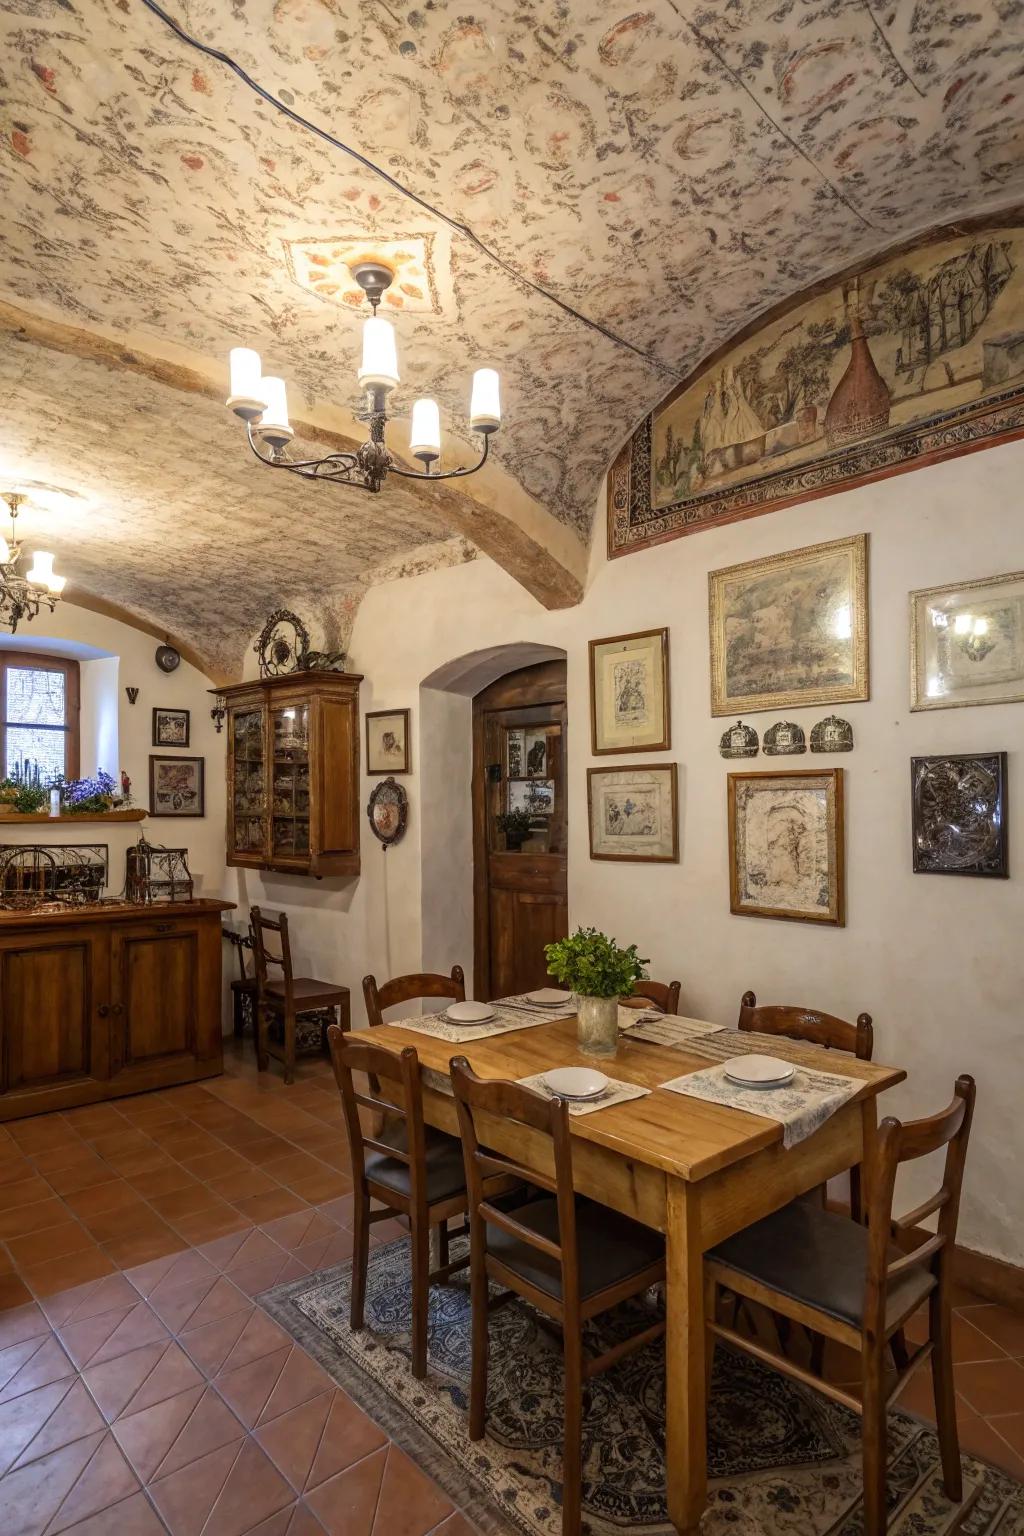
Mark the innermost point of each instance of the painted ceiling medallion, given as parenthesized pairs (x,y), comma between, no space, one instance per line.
(326,268)
(784,739)
(262,403)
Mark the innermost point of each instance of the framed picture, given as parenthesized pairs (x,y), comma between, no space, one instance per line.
(387,741)
(176,786)
(170,727)
(958,811)
(791,629)
(629,701)
(633,814)
(967,643)
(786,845)
(534,796)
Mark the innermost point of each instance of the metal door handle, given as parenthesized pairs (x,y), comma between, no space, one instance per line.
(164,927)
(103,1010)
(117,1010)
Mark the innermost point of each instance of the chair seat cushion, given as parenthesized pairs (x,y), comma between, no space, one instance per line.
(611,1247)
(819,1258)
(446,1174)
(307,992)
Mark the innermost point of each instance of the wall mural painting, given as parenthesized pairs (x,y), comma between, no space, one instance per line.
(917,358)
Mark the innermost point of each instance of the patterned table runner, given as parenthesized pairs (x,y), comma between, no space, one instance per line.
(616,1093)
(800,1107)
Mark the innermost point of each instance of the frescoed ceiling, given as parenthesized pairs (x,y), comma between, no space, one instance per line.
(587,198)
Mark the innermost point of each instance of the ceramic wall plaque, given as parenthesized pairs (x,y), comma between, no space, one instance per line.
(967,643)
(786,845)
(739,741)
(784,739)
(958,805)
(633,813)
(629,697)
(832,735)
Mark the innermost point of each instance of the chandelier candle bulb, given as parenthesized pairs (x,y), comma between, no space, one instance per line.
(245,398)
(5,551)
(425,434)
(41,574)
(273,423)
(379,367)
(485,402)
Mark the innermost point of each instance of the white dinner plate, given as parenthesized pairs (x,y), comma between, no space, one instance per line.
(576,1082)
(759,1071)
(549,997)
(469,1013)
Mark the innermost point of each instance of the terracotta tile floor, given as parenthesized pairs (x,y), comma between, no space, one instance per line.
(143,1391)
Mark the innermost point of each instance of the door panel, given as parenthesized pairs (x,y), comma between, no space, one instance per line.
(519,755)
(48,993)
(155,989)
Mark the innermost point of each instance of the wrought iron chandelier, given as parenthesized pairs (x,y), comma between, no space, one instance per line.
(23,596)
(262,404)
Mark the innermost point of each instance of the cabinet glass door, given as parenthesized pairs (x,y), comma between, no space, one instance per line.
(289,837)
(249,789)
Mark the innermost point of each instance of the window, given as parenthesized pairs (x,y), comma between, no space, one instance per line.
(39,702)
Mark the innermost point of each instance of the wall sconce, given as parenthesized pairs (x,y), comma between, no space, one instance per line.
(133,694)
(218,712)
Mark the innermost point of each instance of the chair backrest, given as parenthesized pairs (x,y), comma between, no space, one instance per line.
(810,1025)
(663,994)
(279,954)
(550,1117)
(901,1143)
(404,989)
(351,1054)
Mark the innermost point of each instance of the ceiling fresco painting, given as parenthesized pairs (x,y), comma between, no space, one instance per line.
(589,198)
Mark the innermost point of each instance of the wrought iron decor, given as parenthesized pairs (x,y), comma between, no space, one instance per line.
(282,645)
(388,811)
(35,875)
(958,804)
(155,874)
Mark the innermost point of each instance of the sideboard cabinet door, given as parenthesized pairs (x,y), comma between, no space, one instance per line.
(53,1015)
(155,991)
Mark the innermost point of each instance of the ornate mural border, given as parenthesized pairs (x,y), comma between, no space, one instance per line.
(633,524)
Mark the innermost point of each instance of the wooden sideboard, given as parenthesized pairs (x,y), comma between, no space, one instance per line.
(107,1000)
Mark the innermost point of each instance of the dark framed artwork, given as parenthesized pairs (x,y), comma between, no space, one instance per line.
(786,845)
(629,693)
(958,811)
(387,741)
(176,786)
(633,813)
(171,727)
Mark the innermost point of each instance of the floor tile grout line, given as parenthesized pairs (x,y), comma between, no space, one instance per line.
(48,1528)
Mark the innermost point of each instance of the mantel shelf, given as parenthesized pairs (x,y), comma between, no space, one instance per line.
(17,818)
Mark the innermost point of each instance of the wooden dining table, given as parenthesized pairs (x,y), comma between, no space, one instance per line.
(694,1170)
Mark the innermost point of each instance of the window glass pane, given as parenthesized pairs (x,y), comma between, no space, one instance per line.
(30,745)
(35,696)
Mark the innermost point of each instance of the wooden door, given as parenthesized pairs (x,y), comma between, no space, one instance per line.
(519,763)
(155,993)
(53,1002)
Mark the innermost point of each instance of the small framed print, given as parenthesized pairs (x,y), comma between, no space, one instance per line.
(176,786)
(633,813)
(629,693)
(534,796)
(967,643)
(786,845)
(387,741)
(958,810)
(171,727)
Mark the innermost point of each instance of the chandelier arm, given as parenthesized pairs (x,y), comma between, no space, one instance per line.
(349,460)
(448,474)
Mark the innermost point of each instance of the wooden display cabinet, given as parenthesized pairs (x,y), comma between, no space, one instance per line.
(293,773)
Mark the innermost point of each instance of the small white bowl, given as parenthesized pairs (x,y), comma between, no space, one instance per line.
(549,997)
(759,1071)
(576,1082)
(469,1013)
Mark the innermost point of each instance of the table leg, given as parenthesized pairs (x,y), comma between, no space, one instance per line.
(686,1468)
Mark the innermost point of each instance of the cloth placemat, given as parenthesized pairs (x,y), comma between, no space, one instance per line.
(520,1002)
(800,1107)
(616,1093)
(505,1020)
(666,1028)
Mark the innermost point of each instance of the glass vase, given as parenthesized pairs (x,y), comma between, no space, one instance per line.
(597,1025)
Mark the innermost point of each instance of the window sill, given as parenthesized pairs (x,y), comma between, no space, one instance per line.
(16,817)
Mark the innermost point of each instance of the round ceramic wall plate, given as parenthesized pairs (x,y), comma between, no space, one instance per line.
(469,1013)
(549,997)
(759,1071)
(576,1082)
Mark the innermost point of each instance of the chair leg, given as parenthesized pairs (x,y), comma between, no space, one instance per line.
(900,1352)
(236,1009)
(572,1454)
(360,1256)
(710,1316)
(289,1047)
(478,1293)
(945,1396)
(875,1441)
(817,1353)
(856,1201)
(260,1025)
(420,1294)
(442,1244)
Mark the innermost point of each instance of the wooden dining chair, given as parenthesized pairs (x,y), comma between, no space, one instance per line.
(859,1286)
(285,998)
(406,989)
(816,1028)
(663,994)
(571,1258)
(408,1168)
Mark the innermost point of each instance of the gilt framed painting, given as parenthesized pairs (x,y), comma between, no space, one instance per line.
(967,643)
(633,813)
(791,629)
(629,697)
(786,845)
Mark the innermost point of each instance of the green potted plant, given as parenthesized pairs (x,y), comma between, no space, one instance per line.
(593,966)
(516,827)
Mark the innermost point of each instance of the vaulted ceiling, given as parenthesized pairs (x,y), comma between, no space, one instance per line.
(589,199)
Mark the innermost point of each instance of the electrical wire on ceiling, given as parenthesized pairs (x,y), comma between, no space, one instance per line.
(461,229)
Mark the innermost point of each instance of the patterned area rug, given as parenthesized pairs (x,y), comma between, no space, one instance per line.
(783,1461)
